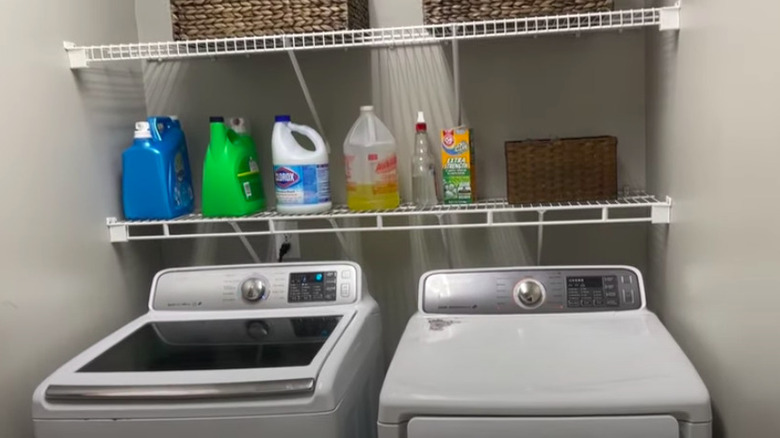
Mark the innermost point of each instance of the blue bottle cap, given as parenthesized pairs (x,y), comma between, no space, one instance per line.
(282,118)
(216,119)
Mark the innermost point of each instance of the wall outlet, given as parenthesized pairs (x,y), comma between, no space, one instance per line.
(292,239)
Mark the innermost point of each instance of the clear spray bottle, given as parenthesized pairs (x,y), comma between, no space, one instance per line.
(423,173)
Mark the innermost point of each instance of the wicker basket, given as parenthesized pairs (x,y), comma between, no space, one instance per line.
(204,19)
(455,11)
(572,169)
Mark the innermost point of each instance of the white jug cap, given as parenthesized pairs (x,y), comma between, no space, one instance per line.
(367,108)
(239,125)
(142,130)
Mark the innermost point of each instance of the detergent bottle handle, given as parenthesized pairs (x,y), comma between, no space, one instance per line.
(156,122)
(313,135)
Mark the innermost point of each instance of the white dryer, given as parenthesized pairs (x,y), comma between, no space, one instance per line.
(283,350)
(540,352)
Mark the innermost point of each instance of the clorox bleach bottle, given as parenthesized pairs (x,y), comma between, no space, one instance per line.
(371,164)
(301,176)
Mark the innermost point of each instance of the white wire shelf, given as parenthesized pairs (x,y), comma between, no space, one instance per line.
(665,18)
(635,208)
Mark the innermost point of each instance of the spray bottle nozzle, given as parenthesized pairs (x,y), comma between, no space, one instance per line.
(421,125)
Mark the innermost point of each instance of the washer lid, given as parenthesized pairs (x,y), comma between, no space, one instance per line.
(541,365)
(181,365)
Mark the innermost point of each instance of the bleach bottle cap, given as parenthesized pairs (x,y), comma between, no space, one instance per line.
(142,130)
(239,125)
(282,118)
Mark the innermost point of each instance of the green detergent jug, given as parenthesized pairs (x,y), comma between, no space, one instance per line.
(232,185)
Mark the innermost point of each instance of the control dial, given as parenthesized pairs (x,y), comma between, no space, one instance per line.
(257,330)
(529,293)
(254,290)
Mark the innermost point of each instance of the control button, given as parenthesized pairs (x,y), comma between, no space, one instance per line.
(628,296)
(587,302)
(529,293)
(598,302)
(254,290)
(612,303)
(346,274)
(345,290)
(622,279)
(612,294)
(573,303)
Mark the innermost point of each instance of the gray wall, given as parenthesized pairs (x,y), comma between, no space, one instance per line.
(64,285)
(712,145)
(512,89)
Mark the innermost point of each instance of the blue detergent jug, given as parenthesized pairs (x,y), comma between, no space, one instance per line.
(156,176)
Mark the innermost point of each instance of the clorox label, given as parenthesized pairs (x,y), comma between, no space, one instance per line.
(286,177)
(302,185)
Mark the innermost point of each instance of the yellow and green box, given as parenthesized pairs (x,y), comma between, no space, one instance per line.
(458,166)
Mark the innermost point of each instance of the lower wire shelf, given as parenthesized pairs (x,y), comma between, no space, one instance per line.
(633,208)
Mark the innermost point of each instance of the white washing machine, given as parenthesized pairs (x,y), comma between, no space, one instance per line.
(560,352)
(272,351)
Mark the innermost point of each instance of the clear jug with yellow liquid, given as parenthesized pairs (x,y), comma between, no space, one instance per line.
(371,163)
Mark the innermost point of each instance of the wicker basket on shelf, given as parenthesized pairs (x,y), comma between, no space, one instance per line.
(205,19)
(571,169)
(456,11)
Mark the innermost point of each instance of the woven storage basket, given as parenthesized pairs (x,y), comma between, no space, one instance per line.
(455,11)
(571,169)
(204,19)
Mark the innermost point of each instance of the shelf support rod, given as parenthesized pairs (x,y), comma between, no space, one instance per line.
(456,75)
(307,94)
(342,240)
(245,242)
(540,238)
(444,240)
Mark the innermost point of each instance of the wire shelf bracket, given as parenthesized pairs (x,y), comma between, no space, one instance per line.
(669,18)
(664,18)
(635,208)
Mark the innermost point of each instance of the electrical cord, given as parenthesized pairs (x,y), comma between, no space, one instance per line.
(283,250)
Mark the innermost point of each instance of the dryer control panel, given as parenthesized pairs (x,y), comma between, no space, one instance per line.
(537,290)
(261,286)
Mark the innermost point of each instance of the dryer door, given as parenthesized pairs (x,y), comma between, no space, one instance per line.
(660,426)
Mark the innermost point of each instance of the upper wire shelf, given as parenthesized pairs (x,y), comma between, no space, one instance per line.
(635,208)
(666,18)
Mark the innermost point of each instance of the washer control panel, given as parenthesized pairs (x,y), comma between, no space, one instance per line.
(261,286)
(536,290)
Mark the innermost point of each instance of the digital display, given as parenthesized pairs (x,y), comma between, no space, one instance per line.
(316,277)
(312,286)
(584,282)
(592,291)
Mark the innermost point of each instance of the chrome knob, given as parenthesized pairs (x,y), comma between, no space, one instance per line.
(254,290)
(529,293)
